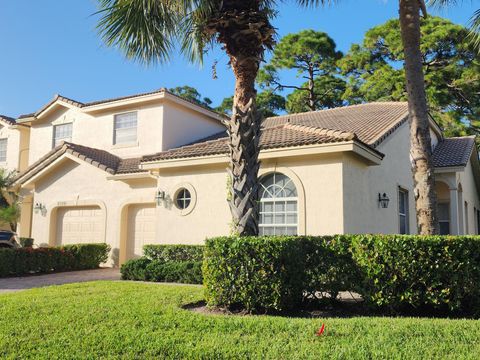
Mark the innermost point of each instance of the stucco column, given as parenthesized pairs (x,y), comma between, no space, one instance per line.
(454,218)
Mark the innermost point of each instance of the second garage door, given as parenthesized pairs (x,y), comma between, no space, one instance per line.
(77,225)
(141,229)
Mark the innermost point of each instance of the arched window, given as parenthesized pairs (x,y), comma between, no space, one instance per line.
(278,205)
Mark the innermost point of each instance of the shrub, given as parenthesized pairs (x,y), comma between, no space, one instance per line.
(257,273)
(188,272)
(26,242)
(405,272)
(165,253)
(144,269)
(135,269)
(88,256)
(24,261)
(391,272)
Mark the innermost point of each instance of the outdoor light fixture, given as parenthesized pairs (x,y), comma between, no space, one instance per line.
(40,208)
(160,195)
(383,200)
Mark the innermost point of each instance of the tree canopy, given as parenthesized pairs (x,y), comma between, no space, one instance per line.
(452,71)
(269,104)
(313,56)
(191,94)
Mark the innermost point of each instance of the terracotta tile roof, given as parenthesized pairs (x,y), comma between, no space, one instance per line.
(8,119)
(371,122)
(367,123)
(453,151)
(98,102)
(129,166)
(281,136)
(23,116)
(102,159)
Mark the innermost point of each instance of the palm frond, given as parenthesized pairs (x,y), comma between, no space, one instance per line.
(143,29)
(313,3)
(475,29)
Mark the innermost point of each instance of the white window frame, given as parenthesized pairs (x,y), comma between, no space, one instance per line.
(273,201)
(3,153)
(125,129)
(56,141)
(405,215)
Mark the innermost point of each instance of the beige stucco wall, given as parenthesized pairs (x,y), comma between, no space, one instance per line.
(13,136)
(362,184)
(160,126)
(74,183)
(471,196)
(318,180)
(182,126)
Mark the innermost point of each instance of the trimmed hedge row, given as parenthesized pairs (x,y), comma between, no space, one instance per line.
(24,261)
(143,269)
(166,253)
(391,272)
(166,263)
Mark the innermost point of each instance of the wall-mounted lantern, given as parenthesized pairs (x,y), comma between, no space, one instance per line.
(159,197)
(383,200)
(40,208)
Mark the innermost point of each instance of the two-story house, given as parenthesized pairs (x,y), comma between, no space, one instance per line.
(151,168)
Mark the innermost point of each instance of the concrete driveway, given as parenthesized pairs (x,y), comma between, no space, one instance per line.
(35,281)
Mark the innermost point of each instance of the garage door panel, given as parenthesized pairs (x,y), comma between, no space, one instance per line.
(141,229)
(80,225)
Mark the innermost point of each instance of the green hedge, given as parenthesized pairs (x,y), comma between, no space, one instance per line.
(24,261)
(144,269)
(391,272)
(165,253)
(26,242)
(254,272)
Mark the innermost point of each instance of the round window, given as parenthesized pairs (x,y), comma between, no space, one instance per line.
(183,198)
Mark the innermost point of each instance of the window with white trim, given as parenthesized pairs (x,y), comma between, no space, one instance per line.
(443,210)
(278,205)
(3,150)
(403,211)
(62,132)
(125,128)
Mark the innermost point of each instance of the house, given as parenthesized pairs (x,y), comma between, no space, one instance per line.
(151,168)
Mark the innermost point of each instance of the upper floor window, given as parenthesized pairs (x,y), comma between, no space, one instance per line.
(125,128)
(278,206)
(62,132)
(403,211)
(3,150)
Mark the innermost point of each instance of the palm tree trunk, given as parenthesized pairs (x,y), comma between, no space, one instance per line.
(420,141)
(245,31)
(244,132)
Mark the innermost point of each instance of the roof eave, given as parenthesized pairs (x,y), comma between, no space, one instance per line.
(371,156)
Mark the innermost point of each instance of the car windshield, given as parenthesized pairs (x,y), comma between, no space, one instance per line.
(5,235)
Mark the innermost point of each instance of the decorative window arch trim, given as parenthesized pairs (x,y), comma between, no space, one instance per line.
(301,202)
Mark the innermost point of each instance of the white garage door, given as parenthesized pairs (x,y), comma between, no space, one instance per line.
(77,225)
(141,228)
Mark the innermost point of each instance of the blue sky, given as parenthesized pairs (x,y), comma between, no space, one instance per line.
(49,47)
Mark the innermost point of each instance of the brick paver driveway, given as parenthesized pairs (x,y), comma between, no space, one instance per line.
(28,282)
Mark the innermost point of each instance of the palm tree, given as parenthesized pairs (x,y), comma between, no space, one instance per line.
(146,30)
(474,21)
(420,141)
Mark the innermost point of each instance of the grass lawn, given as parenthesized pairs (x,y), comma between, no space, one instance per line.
(135,320)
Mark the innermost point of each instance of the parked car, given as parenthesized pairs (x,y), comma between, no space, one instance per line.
(8,239)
